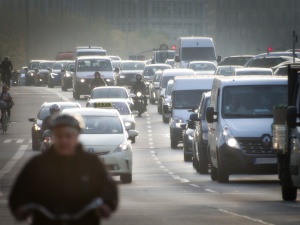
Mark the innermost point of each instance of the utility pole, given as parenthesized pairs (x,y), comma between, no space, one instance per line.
(295,40)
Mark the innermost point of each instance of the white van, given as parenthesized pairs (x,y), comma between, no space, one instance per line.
(194,49)
(85,68)
(89,51)
(240,116)
(186,96)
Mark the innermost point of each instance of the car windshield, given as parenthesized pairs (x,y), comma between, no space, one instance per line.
(45,65)
(33,65)
(150,71)
(132,66)
(252,101)
(109,93)
(226,71)
(45,111)
(59,66)
(205,105)
(161,57)
(266,62)
(102,125)
(194,54)
(202,66)
(170,89)
(183,100)
(240,61)
(122,107)
(253,72)
(157,78)
(87,65)
(70,66)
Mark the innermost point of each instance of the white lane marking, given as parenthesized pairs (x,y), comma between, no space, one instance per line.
(245,217)
(150,143)
(151,147)
(59,95)
(151,139)
(149,127)
(162,167)
(150,135)
(184,180)
(195,185)
(209,190)
(20,141)
(155,158)
(152,152)
(7,141)
(148,122)
(149,131)
(166,170)
(171,173)
(12,162)
(158,162)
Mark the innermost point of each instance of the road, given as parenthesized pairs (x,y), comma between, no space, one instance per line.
(165,189)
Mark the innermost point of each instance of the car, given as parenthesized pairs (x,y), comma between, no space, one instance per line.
(31,71)
(226,70)
(167,75)
(202,67)
(153,87)
(186,97)
(22,76)
(42,73)
(111,93)
(253,71)
(268,61)
(115,61)
(121,105)
(66,77)
(89,51)
(85,68)
(167,101)
(281,69)
(127,71)
(149,72)
(54,78)
(170,62)
(160,56)
(237,60)
(240,117)
(199,140)
(104,135)
(38,121)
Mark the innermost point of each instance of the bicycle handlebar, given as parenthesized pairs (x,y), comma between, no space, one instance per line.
(95,204)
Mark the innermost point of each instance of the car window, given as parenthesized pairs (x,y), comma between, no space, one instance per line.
(202,66)
(102,125)
(183,100)
(44,112)
(70,66)
(94,65)
(133,66)
(44,66)
(59,66)
(150,71)
(109,93)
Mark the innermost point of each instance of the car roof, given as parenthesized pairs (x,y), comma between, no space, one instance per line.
(47,61)
(158,64)
(92,57)
(37,60)
(111,100)
(251,80)
(253,69)
(133,61)
(92,112)
(110,87)
(172,72)
(239,56)
(207,94)
(228,66)
(48,104)
(208,62)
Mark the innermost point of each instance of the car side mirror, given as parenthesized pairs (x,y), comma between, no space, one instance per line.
(116,70)
(32,119)
(191,125)
(176,59)
(133,133)
(132,95)
(219,58)
(210,115)
(194,117)
(166,109)
(291,116)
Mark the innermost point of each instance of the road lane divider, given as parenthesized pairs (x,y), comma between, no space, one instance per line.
(8,141)
(12,162)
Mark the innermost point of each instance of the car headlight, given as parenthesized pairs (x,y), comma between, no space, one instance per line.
(68,75)
(108,80)
(139,94)
(147,83)
(205,136)
(36,127)
(127,124)
(121,76)
(178,122)
(122,147)
(31,74)
(229,139)
(82,80)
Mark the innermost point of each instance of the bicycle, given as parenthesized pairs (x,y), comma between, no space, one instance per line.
(5,121)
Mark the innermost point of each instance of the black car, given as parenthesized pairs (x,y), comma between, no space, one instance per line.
(31,71)
(43,112)
(41,76)
(200,142)
(238,60)
(127,72)
(66,77)
(54,78)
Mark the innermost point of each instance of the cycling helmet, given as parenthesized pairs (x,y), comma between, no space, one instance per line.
(138,77)
(67,121)
(54,108)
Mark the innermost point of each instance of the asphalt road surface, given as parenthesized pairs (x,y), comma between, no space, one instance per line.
(165,189)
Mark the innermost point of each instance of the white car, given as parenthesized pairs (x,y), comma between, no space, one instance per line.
(203,67)
(121,105)
(253,71)
(104,134)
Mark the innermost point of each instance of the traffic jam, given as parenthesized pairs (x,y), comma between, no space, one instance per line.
(223,118)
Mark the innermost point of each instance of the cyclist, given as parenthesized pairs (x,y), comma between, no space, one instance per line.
(6,68)
(97,81)
(6,97)
(54,112)
(63,179)
(139,86)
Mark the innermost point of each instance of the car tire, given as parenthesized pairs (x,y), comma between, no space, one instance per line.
(132,140)
(213,173)
(76,95)
(223,175)
(152,101)
(165,120)
(288,193)
(126,178)
(186,157)
(63,88)
(202,164)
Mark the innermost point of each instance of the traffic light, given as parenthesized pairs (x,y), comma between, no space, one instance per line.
(270,49)
(173,47)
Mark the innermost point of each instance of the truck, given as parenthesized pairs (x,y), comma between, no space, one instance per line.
(286,136)
(190,49)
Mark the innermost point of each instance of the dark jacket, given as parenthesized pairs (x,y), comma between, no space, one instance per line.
(63,185)
(6,66)
(46,124)
(138,86)
(97,82)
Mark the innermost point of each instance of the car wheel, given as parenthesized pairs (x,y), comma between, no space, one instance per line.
(152,101)
(132,140)
(165,120)
(76,95)
(63,88)
(202,164)
(186,157)
(213,173)
(288,193)
(223,175)
(126,178)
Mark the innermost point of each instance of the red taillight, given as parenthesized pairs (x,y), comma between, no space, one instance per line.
(173,47)
(47,139)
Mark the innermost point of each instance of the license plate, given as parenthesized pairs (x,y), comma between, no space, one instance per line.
(265,161)
(102,105)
